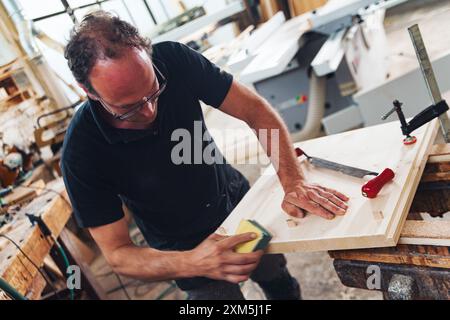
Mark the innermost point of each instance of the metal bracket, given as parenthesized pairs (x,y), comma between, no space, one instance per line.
(439,107)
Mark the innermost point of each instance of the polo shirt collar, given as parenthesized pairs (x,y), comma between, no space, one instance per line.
(115,135)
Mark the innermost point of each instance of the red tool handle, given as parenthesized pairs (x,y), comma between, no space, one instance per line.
(374,186)
(299,152)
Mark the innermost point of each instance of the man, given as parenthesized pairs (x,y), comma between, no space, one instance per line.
(118,151)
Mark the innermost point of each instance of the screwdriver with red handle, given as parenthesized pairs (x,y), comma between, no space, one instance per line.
(370,189)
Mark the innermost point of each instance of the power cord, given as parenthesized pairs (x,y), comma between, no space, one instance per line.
(66,261)
(122,286)
(60,247)
(11,291)
(46,231)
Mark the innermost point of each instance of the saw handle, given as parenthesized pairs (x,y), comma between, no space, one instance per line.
(374,186)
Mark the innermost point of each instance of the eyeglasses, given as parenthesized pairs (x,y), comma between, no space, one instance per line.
(134,109)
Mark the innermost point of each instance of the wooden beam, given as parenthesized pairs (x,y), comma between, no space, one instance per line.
(430,256)
(23,194)
(406,198)
(434,177)
(435,233)
(440,150)
(77,247)
(440,153)
(37,286)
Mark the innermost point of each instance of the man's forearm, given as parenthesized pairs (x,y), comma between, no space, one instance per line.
(150,264)
(247,105)
(281,152)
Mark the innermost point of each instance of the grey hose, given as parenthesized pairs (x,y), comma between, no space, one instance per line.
(316,109)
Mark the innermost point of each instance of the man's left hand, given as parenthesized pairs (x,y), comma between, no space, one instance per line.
(324,202)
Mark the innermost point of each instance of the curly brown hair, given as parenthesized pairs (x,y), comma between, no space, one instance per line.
(100,35)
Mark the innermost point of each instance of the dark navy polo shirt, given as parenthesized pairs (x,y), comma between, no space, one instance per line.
(175,206)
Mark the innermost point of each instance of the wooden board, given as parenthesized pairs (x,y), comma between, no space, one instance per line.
(418,255)
(435,203)
(436,233)
(368,223)
(298,7)
(77,247)
(23,194)
(15,268)
(269,8)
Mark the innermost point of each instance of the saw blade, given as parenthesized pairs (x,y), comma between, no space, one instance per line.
(351,171)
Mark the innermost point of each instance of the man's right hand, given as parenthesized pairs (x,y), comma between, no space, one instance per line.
(215,258)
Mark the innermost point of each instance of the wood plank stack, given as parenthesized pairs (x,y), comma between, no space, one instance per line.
(298,7)
(15,268)
(269,8)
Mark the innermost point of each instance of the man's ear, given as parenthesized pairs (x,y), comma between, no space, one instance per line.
(89,94)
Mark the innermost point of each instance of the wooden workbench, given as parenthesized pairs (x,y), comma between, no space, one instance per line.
(368,223)
(419,269)
(15,268)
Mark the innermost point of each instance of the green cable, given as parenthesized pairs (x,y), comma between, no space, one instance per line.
(5,286)
(166,291)
(66,261)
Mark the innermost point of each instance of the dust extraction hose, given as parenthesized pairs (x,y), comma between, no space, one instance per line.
(316,109)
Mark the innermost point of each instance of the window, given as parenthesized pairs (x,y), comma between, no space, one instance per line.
(57,17)
(159,11)
(140,14)
(120,9)
(57,27)
(35,9)
(79,3)
(80,13)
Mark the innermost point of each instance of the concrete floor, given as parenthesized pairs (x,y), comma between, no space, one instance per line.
(315,271)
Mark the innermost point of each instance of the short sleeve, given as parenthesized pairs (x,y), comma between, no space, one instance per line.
(93,199)
(204,78)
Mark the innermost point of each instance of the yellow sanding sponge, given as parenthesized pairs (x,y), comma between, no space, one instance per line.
(262,240)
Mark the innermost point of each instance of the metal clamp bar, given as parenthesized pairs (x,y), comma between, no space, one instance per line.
(429,77)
